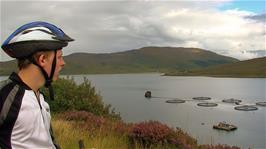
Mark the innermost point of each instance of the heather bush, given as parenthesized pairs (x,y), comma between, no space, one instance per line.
(151,132)
(155,133)
(85,120)
(219,146)
(70,96)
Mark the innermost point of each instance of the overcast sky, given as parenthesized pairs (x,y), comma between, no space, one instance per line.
(231,28)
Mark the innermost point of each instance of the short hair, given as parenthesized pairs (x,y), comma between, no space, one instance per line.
(25,62)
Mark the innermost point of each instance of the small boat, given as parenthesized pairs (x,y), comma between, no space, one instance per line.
(225,126)
(148,94)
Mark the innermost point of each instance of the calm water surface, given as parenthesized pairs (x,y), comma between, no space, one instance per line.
(125,92)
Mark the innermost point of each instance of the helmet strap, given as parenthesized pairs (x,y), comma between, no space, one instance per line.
(53,68)
(48,79)
(49,82)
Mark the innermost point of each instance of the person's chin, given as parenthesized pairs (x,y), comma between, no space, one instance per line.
(55,77)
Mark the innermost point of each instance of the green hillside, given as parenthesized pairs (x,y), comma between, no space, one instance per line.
(7,67)
(248,68)
(147,59)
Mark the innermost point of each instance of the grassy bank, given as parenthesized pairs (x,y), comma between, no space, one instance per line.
(103,133)
(68,135)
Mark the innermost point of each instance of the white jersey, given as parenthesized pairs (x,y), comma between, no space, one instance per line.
(26,124)
(31,129)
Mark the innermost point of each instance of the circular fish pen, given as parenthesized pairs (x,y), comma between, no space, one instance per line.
(246,108)
(207,104)
(175,101)
(231,100)
(201,98)
(261,104)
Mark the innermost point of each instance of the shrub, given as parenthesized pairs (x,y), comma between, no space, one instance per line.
(70,96)
(219,146)
(154,133)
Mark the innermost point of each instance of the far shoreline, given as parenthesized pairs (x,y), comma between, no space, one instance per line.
(163,74)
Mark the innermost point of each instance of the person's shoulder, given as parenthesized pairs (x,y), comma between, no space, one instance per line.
(5,83)
(9,88)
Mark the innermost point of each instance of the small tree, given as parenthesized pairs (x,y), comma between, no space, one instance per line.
(83,97)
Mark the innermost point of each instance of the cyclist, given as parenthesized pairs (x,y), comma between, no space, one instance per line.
(24,115)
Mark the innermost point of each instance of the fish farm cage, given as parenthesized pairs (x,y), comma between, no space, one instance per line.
(175,101)
(204,103)
(207,104)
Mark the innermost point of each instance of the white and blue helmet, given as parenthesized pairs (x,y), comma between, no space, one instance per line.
(34,37)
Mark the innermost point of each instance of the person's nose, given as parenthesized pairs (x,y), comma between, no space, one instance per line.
(63,63)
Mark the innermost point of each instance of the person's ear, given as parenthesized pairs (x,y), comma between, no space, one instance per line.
(42,60)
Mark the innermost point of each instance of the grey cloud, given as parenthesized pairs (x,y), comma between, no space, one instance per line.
(259,53)
(259,18)
(111,26)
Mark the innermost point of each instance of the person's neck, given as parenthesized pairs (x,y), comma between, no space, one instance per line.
(32,77)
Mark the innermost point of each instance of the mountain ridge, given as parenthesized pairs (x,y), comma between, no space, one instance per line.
(146,59)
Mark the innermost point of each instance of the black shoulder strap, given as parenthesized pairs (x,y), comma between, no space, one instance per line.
(7,98)
(11,98)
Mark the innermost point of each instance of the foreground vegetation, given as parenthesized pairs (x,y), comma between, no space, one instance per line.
(103,133)
(80,114)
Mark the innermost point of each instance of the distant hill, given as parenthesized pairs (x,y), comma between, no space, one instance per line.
(147,59)
(248,68)
(7,67)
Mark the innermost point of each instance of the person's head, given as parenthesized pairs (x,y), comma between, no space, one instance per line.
(38,43)
(45,60)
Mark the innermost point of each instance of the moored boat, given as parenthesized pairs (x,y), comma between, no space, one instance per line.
(225,126)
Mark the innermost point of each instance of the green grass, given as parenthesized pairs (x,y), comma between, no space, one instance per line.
(68,134)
